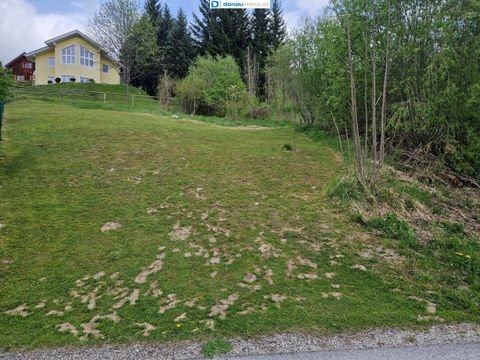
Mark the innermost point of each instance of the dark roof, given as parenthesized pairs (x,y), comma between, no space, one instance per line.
(18,57)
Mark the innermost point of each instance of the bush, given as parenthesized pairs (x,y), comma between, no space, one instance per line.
(58,80)
(213,86)
(73,80)
(91,81)
(50,82)
(6,82)
(463,158)
(260,112)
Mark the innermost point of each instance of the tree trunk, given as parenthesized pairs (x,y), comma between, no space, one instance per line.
(354,112)
(374,93)
(384,101)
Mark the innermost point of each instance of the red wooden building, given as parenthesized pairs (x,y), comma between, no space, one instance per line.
(21,68)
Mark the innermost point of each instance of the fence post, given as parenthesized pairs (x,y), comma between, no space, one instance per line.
(104,97)
(133,100)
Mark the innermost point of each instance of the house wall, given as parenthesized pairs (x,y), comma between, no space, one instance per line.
(112,77)
(74,70)
(42,70)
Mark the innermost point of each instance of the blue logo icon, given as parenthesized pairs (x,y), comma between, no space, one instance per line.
(214,4)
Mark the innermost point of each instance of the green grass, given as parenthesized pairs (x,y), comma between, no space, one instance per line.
(90,96)
(249,208)
(216,347)
(394,228)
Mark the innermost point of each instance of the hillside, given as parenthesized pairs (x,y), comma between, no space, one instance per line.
(125,227)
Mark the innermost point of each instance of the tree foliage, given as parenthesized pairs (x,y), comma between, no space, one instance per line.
(112,26)
(245,36)
(397,74)
(145,54)
(179,48)
(6,82)
(213,86)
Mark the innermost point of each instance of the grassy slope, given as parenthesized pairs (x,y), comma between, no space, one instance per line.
(65,171)
(90,96)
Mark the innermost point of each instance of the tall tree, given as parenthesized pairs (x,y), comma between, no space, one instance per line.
(179,50)
(261,45)
(152,9)
(231,34)
(221,32)
(278,29)
(165,24)
(202,28)
(145,53)
(111,26)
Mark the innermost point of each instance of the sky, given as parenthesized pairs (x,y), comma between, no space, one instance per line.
(27,24)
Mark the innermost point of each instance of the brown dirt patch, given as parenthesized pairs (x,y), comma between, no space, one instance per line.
(155,267)
(180,233)
(21,310)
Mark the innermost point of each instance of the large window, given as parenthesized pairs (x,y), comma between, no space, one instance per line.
(105,68)
(51,61)
(68,55)
(86,57)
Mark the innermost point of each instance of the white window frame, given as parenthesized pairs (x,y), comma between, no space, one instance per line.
(103,68)
(69,55)
(51,61)
(20,77)
(28,65)
(66,78)
(87,58)
(52,79)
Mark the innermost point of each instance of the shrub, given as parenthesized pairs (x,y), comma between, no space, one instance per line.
(6,82)
(463,158)
(58,80)
(73,80)
(260,112)
(91,81)
(50,82)
(214,86)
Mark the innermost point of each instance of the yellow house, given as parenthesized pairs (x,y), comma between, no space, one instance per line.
(73,55)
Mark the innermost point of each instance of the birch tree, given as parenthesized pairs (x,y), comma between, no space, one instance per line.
(112,26)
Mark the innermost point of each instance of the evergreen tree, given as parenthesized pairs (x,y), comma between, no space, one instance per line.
(221,32)
(153,11)
(278,29)
(145,55)
(202,28)
(179,49)
(261,45)
(165,24)
(231,35)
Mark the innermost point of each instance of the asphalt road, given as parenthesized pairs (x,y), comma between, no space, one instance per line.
(436,352)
